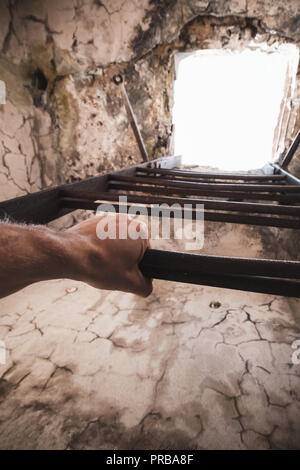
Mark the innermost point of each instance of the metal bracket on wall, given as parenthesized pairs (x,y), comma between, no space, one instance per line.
(118,80)
(291,152)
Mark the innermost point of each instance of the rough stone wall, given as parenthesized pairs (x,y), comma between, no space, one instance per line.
(64,118)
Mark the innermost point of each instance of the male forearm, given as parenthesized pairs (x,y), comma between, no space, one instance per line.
(30,254)
(36,253)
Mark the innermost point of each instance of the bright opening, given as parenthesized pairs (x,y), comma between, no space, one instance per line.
(228,105)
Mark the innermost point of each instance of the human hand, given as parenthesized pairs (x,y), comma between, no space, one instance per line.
(110,263)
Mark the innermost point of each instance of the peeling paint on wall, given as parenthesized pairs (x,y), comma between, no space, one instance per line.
(58,58)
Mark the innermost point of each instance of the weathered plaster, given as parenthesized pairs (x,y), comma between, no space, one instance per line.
(187,368)
(58,59)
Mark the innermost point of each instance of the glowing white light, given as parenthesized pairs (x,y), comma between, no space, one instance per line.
(226,105)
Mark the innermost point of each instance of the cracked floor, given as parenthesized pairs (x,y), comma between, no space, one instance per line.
(190,367)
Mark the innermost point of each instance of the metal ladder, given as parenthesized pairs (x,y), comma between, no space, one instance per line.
(271,198)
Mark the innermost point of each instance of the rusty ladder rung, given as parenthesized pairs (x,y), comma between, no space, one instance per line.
(156,185)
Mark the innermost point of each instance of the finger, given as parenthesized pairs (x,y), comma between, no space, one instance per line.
(140,284)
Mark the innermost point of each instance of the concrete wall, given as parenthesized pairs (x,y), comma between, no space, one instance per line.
(64,118)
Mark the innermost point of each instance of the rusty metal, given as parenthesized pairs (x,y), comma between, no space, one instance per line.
(291,151)
(234,195)
(252,207)
(215,176)
(118,80)
(212,186)
(191,214)
(156,264)
(268,276)
(191,179)
(291,179)
(210,264)
(43,206)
